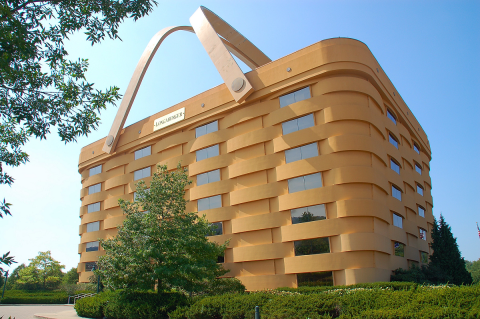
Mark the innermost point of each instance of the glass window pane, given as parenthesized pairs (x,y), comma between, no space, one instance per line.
(202,179)
(215,201)
(309,279)
(421,211)
(93,207)
(416,148)
(89,266)
(394,166)
(94,189)
(305,122)
(296,184)
(289,126)
(392,140)
(138,154)
(147,151)
(137,175)
(202,154)
(199,131)
(313,181)
(213,151)
(293,155)
(396,193)
(146,171)
(92,246)
(423,234)
(312,246)
(310,150)
(391,116)
(203,204)
(308,214)
(216,229)
(95,226)
(424,257)
(214,176)
(397,221)
(302,94)
(418,169)
(287,99)
(399,249)
(96,170)
(212,127)
(419,190)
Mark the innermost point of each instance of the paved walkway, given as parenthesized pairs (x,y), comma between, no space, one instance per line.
(38,311)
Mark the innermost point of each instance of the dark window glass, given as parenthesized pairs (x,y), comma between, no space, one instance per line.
(399,249)
(296,96)
(324,278)
(216,229)
(312,246)
(391,116)
(308,214)
(89,266)
(221,259)
(424,257)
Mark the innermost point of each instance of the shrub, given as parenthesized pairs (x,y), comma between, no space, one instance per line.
(222,286)
(34,297)
(92,307)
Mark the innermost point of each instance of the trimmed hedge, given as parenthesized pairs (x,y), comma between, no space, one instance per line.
(34,297)
(130,305)
(397,301)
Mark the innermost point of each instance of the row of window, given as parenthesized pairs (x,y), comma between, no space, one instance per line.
(399,250)
(398,222)
(392,117)
(396,167)
(397,193)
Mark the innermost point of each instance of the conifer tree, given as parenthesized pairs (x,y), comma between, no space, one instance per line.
(446,263)
(160,243)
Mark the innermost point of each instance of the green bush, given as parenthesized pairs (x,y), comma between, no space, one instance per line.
(390,285)
(34,297)
(92,307)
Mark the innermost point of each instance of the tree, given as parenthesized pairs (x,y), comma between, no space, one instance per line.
(446,262)
(40,87)
(43,272)
(473,267)
(163,245)
(71,277)
(13,277)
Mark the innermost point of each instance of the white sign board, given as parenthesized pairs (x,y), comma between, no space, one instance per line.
(169,119)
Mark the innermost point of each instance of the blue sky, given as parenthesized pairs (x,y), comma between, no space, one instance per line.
(429,49)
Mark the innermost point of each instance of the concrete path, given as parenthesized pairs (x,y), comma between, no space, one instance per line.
(38,311)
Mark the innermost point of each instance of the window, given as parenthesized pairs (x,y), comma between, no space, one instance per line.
(298,124)
(95,170)
(207,128)
(424,257)
(209,203)
(421,211)
(207,152)
(394,166)
(94,188)
(296,96)
(399,249)
(393,140)
(423,234)
(93,207)
(216,229)
(143,152)
(308,214)
(396,192)
(324,278)
(90,266)
(416,148)
(391,116)
(141,173)
(95,226)
(304,182)
(92,246)
(221,259)
(397,221)
(418,168)
(302,152)
(312,246)
(208,177)
(420,189)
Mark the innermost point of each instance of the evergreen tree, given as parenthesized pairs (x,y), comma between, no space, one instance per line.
(446,263)
(160,243)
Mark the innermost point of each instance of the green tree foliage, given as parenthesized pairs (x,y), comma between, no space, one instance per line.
(43,272)
(13,277)
(71,277)
(40,87)
(473,267)
(446,263)
(160,243)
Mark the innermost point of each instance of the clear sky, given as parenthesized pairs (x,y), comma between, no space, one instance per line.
(429,49)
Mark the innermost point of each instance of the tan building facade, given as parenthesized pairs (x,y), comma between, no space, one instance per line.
(321,174)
